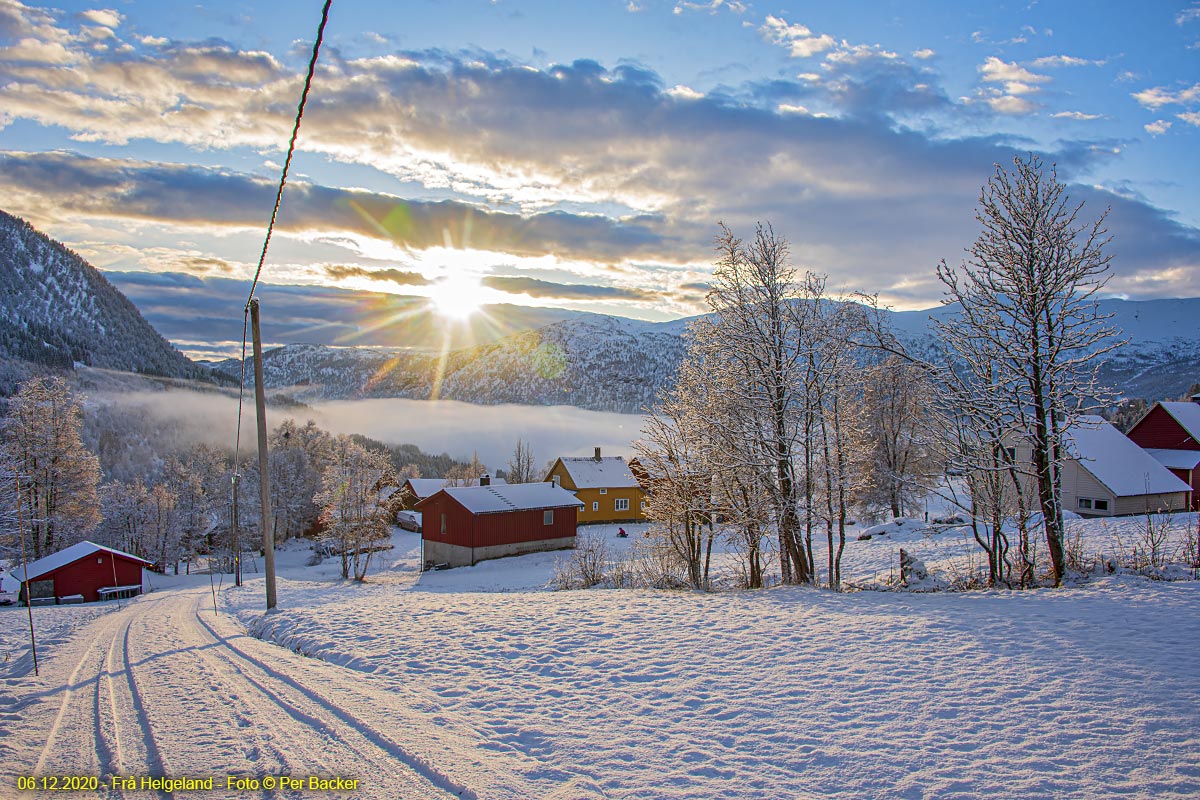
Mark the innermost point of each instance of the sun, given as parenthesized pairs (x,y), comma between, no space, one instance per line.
(458,296)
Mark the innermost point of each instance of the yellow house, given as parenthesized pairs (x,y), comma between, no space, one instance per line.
(605,486)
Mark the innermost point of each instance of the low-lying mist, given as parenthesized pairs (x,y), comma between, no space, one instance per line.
(443,426)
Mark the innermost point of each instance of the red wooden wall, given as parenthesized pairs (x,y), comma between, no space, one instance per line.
(1158,429)
(486,530)
(93,572)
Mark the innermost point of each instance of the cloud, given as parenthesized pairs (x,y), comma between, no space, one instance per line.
(1190,117)
(923,54)
(107,17)
(1062,61)
(396,276)
(64,185)
(995,70)
(1076,115)
(572,162)
(712,6)
(1018,82)
(1158,127)
(798,39)
(535,287)
(1159,96)
(1188,15)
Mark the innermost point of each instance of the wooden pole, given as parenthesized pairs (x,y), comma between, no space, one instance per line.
(264,476)
(25,573)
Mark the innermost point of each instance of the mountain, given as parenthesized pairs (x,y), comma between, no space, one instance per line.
(56,310)
(616,364)
(594,362)
(194,311)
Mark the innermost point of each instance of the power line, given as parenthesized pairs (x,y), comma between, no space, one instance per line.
(287,163)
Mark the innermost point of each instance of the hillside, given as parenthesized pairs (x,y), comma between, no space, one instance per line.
(57,311)
(616,364)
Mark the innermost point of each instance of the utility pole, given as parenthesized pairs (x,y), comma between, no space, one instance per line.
(25,572)
(264,477)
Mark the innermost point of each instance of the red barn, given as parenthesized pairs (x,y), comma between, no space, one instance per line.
(463,525)
(1171,433)
(87,570)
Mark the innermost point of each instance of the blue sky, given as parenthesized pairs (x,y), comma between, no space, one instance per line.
(581,154)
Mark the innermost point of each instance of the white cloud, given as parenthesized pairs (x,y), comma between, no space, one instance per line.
(1187,15)
(712,7)
(1077,115)
(1009,104)
(109,18)
(994,70)
(1159,96)
(923,54)
(801,41)
(1190,117)
(1158,127)
(1063,61)
(684,92)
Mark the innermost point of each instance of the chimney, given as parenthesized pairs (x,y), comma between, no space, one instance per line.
(597,453)
(485,480)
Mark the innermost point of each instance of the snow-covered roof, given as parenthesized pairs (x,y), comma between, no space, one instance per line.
(511,497)
(44,566)
(1175,459)
(1112,457)
(426,487)
(1186,414)
(608,472)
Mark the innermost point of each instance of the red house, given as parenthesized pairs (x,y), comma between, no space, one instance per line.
(1171,433)
(467,524)
(85,570)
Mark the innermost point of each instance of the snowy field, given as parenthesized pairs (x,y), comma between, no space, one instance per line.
(1088,691)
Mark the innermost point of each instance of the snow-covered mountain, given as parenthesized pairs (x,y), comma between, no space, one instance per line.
(600,363)
(56,310)
(616,364)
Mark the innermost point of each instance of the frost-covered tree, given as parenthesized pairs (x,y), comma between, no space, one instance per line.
(1027,303)
(353,520)
(904,454)
(521,466)
(58,474)
(759,319)
(197,477)
(297,455)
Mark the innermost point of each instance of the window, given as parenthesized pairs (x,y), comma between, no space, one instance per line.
(604,491)
(1085,502)
(595,505)
(621,504)
(548,516)
(1102,505)
(443,524)
(1012,454)
(643,505)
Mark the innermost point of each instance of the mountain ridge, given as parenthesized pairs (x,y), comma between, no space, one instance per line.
(58,311)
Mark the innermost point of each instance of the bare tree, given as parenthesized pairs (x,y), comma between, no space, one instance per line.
(355,522)
(520,467)
(1027,303)
(897,396)
(59,475)
(759,321)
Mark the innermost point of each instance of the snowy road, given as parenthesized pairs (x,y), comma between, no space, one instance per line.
(167,688)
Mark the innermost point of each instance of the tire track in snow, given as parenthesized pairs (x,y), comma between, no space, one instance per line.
(70,690)
(356,735)
(154,760)
(221,674)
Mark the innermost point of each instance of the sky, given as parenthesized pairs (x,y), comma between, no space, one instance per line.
(581,155)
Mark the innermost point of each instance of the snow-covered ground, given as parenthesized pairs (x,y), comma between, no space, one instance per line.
(483,681)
